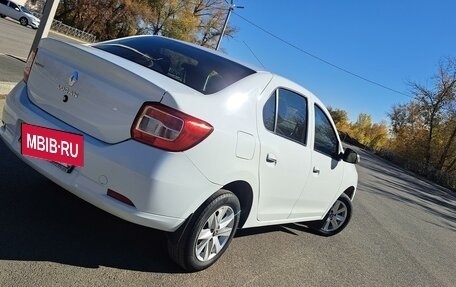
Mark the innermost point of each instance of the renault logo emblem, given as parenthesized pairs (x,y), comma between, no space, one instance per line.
(73,78)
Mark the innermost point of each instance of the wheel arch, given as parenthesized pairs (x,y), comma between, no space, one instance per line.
(350,192)
(244,193)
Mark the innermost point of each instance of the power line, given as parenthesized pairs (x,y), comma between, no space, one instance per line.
(251,51)
(321,59)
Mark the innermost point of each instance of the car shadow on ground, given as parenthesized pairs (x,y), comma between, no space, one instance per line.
(18,23)
(292,228)
(39,221)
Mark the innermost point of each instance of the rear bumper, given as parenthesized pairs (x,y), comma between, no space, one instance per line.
(164,187)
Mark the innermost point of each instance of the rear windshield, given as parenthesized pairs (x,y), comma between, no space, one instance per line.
(203,71)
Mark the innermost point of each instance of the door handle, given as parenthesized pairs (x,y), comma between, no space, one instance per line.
(271,158)
(316,170)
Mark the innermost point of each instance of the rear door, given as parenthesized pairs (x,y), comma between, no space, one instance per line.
(285,156)
(14,11)
(3,7)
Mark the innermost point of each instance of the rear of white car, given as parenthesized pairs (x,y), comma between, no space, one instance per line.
(173,138)
(130,179)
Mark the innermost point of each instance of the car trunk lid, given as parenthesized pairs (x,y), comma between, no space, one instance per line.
(92,90)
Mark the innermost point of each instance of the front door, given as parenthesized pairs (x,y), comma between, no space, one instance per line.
(323,185)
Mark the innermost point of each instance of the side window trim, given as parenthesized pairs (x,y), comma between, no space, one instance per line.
(276,95)
(276,116)
(334,131)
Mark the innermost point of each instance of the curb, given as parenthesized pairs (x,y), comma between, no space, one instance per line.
(6,87)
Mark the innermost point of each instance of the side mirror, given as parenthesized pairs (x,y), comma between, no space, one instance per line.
(17,9)
(350,156)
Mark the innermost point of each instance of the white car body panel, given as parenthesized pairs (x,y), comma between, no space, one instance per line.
(277,196)
(167,187)
(129,166)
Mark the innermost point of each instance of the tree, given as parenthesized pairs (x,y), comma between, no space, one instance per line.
(106,19)
(408,130)
(425,128)
(197,21)
(435,102)
(340,118)
(372,135)
(361,128)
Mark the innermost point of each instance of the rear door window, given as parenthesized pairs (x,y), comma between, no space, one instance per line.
(12,5)
(285,114)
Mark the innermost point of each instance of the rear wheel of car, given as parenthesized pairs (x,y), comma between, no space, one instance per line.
(23,21)
(2,16)
(337,218)
(208,234)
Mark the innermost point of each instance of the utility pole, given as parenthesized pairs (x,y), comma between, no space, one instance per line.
(230,10)
(46,21)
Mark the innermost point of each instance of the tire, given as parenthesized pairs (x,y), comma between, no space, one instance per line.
(337,218)
(2,16)
(208,233)
(23,21)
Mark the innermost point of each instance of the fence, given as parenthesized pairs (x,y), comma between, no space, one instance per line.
(58,26)
(442,178)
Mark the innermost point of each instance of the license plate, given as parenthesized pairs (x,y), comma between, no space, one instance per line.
(66,149)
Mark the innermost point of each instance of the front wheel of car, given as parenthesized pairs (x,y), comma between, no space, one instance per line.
(337,218)
(208,234)
(23,21)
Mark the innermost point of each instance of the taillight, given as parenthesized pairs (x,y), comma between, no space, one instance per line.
(29,64)
(166,128)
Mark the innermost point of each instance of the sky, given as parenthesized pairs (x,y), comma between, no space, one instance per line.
(388,42)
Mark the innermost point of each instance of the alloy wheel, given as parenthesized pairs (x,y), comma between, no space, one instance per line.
(215,233)
(336,217)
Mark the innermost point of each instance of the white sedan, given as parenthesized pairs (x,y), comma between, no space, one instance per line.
(19,13)
(180,138)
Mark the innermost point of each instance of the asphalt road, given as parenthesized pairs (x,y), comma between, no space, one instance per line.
(16,40)
(15,43)
(403,233)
